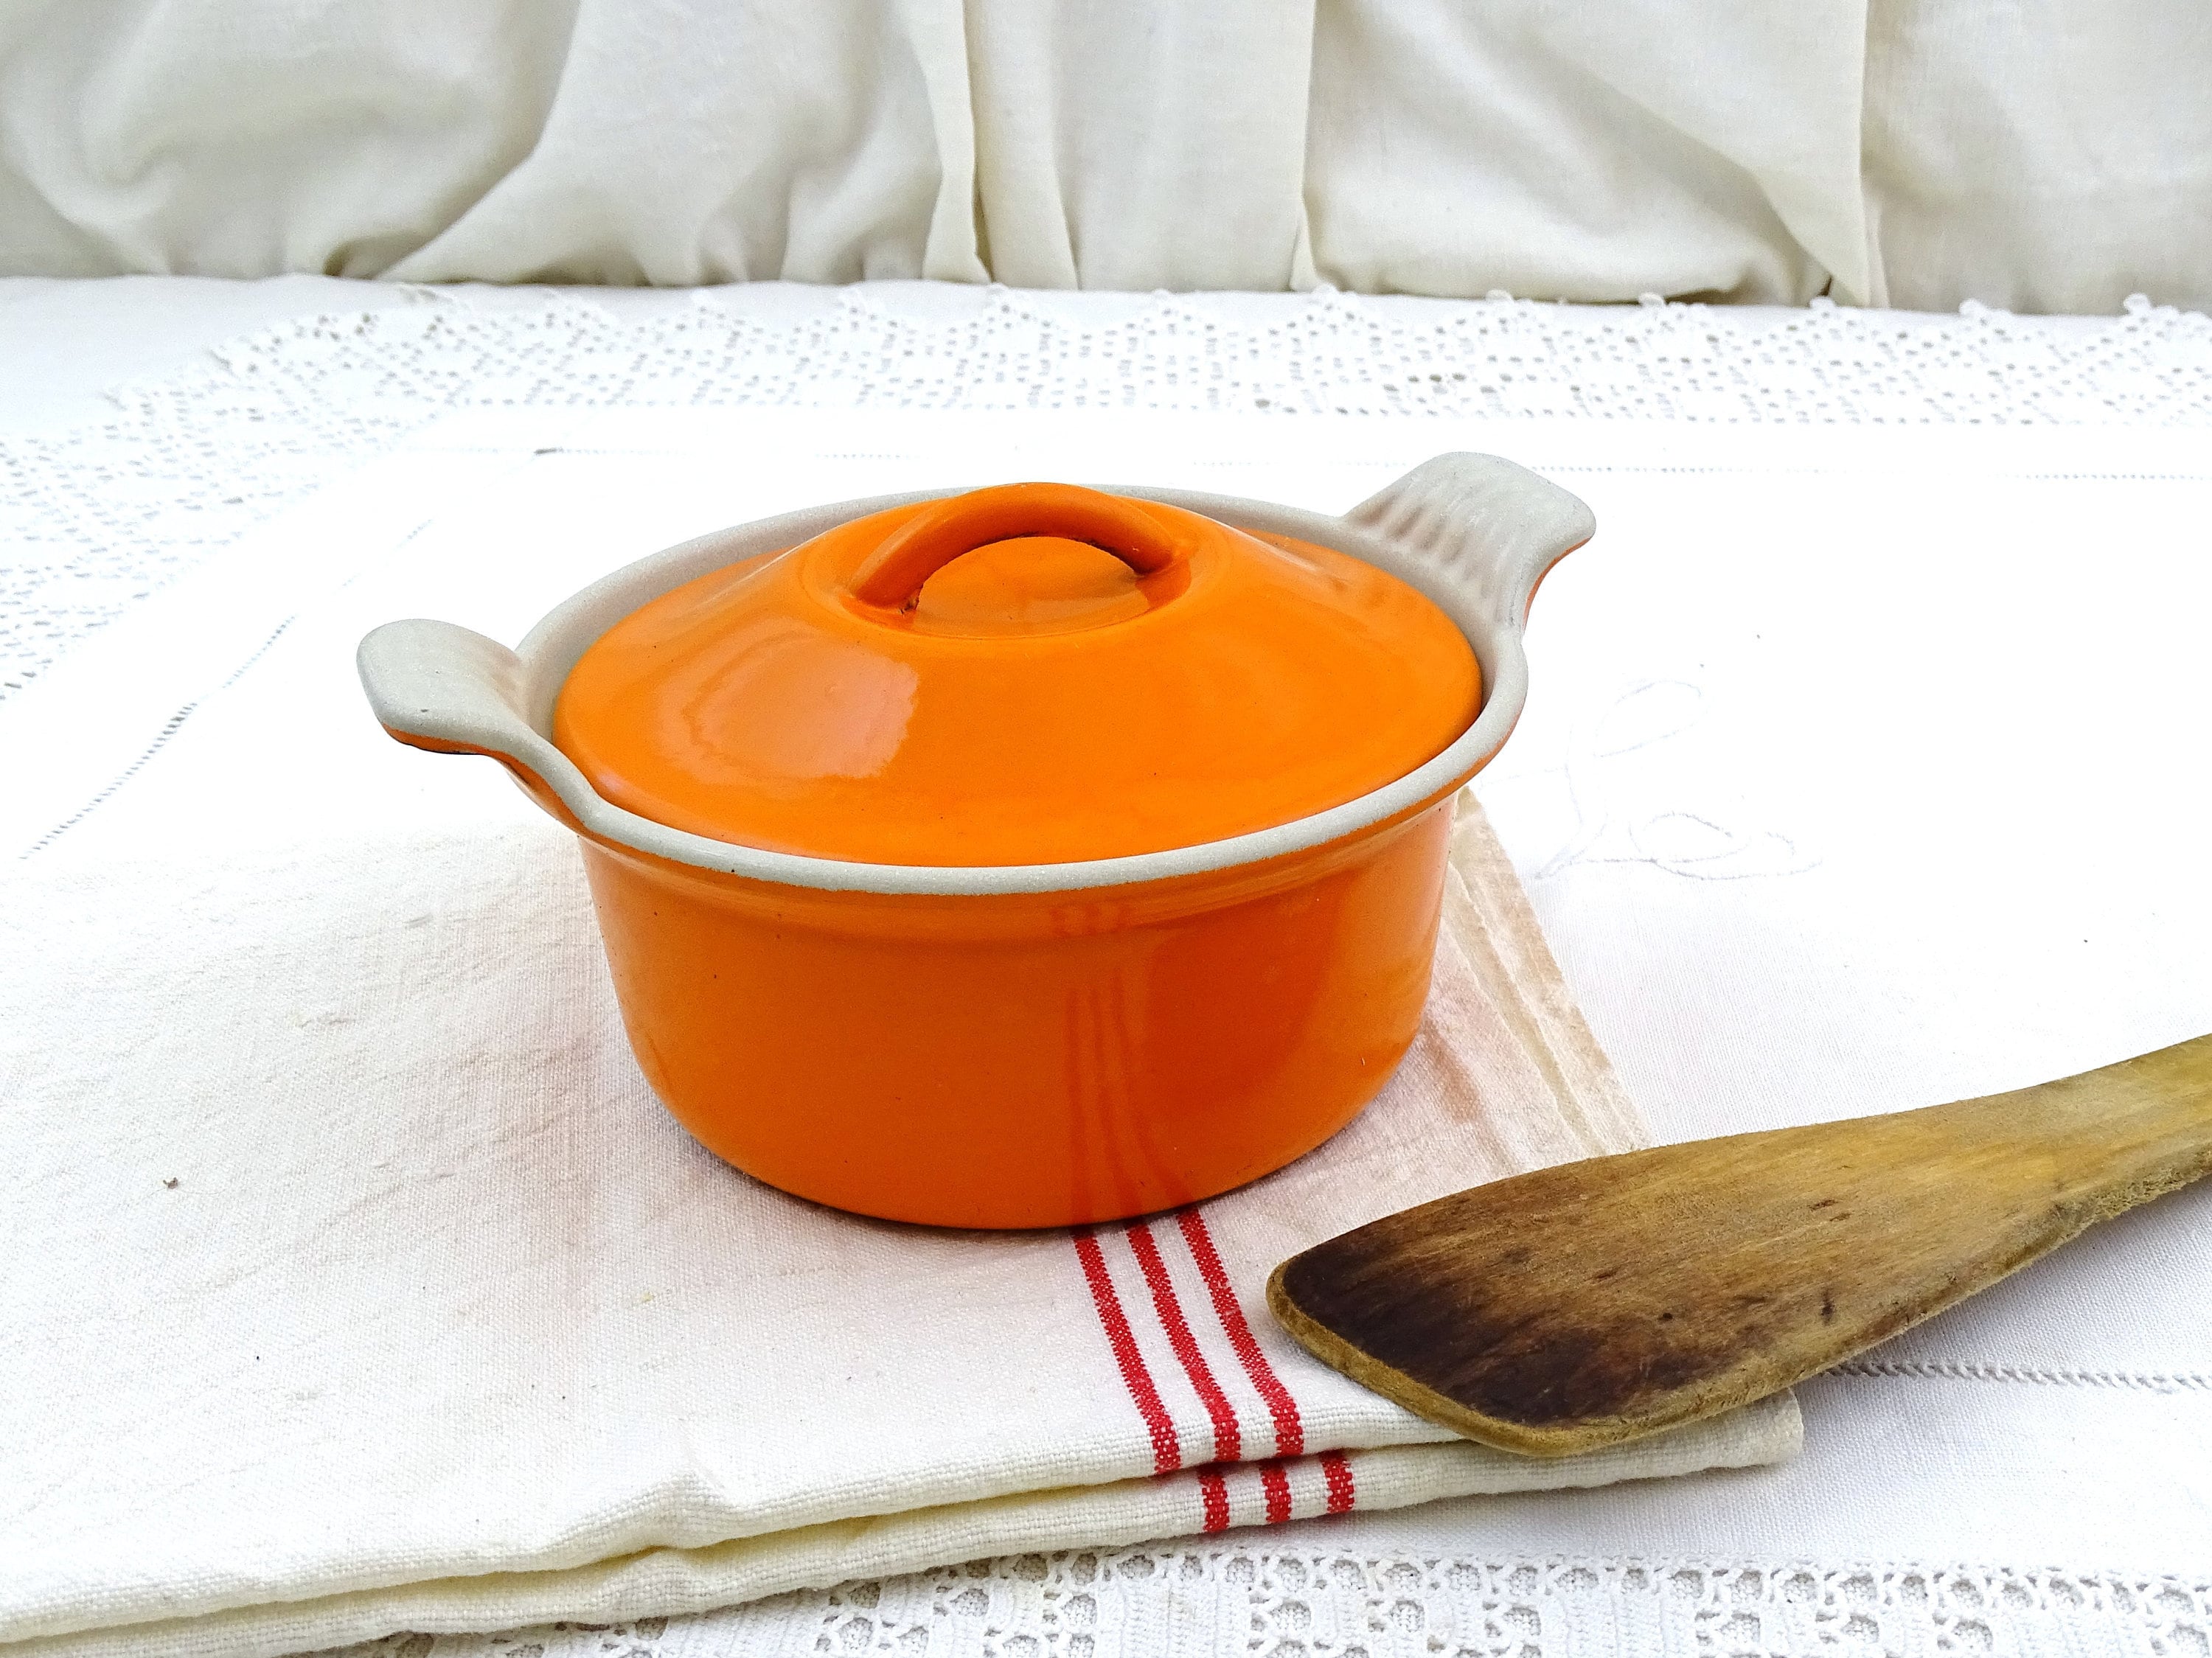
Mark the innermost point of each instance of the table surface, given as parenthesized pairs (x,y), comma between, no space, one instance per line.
(1862,770)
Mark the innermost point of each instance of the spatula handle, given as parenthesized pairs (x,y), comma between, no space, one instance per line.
(2122,1134)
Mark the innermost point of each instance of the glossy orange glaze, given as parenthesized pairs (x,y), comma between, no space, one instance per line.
(1026,1060)
(1034,674)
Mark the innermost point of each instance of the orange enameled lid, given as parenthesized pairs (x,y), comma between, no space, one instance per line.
(1030,674)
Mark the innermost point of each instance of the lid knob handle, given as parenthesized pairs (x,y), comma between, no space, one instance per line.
(891,578)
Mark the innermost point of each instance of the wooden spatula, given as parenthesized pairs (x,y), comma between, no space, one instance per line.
(1586,1304)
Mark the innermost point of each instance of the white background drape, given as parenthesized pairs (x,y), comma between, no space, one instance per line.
(2055,155)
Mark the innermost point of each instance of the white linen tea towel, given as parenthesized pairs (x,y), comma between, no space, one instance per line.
(357,1282)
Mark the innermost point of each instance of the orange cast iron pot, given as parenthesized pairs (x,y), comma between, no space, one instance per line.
(1014,987)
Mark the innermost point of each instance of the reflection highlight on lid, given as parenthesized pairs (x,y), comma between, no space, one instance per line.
(791,705)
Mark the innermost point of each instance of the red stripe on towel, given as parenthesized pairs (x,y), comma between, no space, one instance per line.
(1275,1480)
(1167,1449)
(1290,1431)
(1213,1493)
(1228,1440)
(1338,1472)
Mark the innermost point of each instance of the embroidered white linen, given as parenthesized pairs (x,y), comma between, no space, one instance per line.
(1965,875)
(363,1286)
(1912,153)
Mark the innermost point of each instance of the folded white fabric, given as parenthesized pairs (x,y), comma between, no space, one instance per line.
(2054,157)
(357,1282)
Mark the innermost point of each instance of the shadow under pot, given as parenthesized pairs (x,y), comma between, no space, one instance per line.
(1024,857)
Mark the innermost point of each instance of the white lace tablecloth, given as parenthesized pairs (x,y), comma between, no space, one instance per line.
(1864,769)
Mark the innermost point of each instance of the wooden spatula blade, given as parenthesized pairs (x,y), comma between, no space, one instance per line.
(1584,1305)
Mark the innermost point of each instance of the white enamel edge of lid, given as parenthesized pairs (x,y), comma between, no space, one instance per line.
(1474,533)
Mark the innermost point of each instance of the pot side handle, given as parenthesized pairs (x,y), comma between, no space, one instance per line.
(1483,525)
(436,686)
